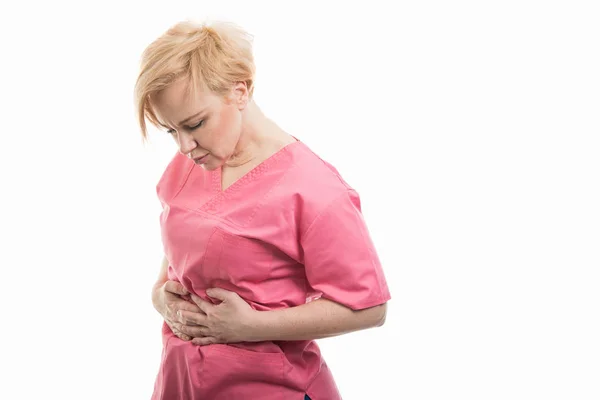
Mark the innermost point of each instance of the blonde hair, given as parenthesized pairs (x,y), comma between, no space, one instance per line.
(210,56)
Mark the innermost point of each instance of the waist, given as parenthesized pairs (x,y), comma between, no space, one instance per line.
(296,352)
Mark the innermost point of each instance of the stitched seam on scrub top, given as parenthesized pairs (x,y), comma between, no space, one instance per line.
(258,170)
(210,216)
(210,238)
(187,177)
(323,211)
(214,218)
(262,201)
(328,168)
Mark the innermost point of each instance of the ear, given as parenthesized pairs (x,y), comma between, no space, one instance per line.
(239,94)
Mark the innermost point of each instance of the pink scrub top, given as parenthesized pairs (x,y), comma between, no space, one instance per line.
(286,233)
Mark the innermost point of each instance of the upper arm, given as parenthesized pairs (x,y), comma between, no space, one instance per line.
(340,258)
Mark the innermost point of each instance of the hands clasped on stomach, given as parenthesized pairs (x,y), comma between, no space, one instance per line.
(230,321)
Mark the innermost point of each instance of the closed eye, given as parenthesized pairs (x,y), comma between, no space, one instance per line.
(191,128)
(196,126)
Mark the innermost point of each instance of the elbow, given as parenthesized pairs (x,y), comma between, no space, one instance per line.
(382,312)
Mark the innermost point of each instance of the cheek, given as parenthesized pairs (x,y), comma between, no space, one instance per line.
(229,127)
(231,120)
(224,133)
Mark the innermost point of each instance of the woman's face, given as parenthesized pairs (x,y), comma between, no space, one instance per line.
(206,127)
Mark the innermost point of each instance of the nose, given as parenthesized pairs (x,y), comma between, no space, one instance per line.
(186,143)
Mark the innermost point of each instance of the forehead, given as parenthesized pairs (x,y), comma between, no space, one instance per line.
(175,103)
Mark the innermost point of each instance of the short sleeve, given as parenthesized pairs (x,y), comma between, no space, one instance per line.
(340,258)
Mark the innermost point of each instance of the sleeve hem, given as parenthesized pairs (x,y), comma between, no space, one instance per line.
(363,305)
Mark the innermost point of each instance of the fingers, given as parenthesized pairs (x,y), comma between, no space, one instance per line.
(176,287)
(204,305)
(218,293)
(177,332)
(190,324)
(173,304)
(203,341)
(190,307)
(172,310)
(192,318)
(192,331)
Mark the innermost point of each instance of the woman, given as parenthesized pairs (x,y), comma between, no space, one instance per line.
(265,246)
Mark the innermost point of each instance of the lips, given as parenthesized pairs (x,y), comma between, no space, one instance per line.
(200,160)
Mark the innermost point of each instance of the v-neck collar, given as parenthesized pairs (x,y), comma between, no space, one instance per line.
(216,176)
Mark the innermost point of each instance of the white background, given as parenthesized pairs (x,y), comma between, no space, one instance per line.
(470,129)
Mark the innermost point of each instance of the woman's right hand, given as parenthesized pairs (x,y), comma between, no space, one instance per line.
(167,300)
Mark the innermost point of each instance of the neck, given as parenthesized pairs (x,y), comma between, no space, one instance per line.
(259,135)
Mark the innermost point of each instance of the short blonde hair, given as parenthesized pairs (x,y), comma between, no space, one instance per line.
(210,56)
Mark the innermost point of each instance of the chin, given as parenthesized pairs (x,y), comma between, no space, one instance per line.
(209,167)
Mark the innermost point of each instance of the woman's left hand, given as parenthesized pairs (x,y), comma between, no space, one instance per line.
(227,322)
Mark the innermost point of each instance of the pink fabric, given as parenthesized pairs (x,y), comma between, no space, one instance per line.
(289,231)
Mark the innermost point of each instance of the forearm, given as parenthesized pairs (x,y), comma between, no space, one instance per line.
(318,319)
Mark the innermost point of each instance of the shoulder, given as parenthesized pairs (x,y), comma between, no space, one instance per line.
(317,184)
(315,175)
